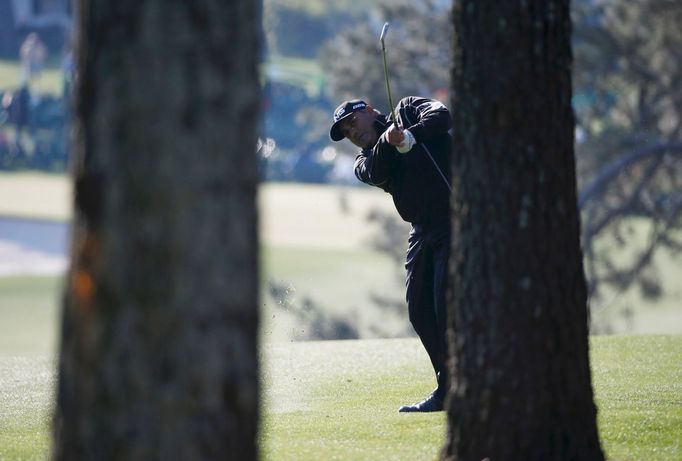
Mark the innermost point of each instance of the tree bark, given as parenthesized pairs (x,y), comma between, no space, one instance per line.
(160,313)
(518,307)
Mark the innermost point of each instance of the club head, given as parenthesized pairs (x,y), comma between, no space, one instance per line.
(383,32)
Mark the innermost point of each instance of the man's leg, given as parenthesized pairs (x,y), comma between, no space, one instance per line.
(422,314)
(441,255)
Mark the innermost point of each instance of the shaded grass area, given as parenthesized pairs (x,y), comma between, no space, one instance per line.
(339,283)
(318,236)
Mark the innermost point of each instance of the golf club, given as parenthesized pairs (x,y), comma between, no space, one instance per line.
(388,84)
(390,101)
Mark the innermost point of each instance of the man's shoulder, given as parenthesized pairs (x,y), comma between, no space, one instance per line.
(410,100)
(416,100)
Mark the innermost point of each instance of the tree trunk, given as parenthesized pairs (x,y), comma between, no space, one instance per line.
(159,345)
(518,308)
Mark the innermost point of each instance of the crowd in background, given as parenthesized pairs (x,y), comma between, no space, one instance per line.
(33,122)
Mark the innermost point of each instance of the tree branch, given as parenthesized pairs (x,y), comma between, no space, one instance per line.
(613,169)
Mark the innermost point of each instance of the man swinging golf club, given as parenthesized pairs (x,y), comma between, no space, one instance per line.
(409,157)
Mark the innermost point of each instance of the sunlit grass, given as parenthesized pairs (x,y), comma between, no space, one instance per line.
(35,195)
(638,387)
(26,389)
(28,315)
(51,81)
(326,400)
(338,400)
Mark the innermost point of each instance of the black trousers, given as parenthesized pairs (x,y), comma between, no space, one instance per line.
(427,267)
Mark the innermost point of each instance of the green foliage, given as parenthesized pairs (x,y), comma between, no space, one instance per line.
(303,30)
(628,63)
(628,60)
(418,49)
(323,7)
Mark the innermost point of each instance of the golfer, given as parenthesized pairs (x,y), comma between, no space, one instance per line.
(411,161)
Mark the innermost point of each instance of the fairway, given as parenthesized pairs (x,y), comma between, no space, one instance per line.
(315,241)
(337,400)
(293,215)
(35,195)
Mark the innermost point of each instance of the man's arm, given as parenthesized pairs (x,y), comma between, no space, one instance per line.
(373,166)
(424,117)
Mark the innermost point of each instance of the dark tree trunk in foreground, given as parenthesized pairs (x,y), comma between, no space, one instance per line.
(518,308)
(158,354)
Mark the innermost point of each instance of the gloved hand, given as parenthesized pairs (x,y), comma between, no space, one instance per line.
(407,144)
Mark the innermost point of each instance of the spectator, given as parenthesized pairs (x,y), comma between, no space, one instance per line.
(33,54)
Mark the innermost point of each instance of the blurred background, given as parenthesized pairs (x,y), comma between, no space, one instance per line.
(333,249)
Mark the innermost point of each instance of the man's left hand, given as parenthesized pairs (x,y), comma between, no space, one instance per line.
(394,135)
(403,140)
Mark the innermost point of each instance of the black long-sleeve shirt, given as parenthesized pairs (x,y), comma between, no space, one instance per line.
(419,192)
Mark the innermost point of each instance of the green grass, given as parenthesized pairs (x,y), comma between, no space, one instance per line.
(300,72)
(26,389)
(326,276)
(51,81)
(638,387)
(28,315)
(338,399)
(325,400)
(320,248)
(340,282)
(35,195)
(28,330)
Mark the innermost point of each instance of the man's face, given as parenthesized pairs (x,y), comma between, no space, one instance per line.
(359,128)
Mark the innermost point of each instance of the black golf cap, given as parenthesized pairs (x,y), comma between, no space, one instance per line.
(343,111)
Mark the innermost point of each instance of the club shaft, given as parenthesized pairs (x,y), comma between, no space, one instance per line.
(388,84)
